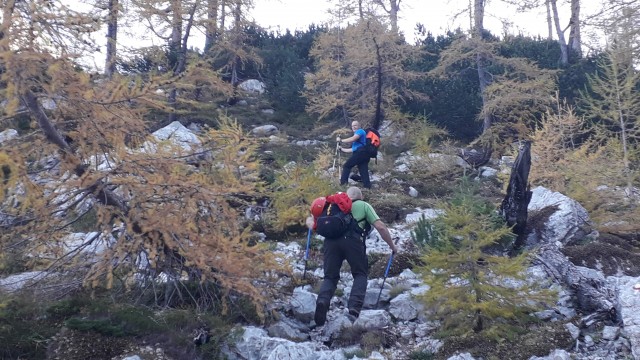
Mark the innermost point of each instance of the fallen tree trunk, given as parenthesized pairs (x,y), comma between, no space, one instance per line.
(592,293)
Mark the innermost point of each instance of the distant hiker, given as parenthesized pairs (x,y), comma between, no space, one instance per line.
(358,157)
(351,247)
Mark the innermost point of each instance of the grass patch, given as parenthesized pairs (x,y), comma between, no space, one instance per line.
(522,345)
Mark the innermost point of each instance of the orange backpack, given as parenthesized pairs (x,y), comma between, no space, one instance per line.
(372,142)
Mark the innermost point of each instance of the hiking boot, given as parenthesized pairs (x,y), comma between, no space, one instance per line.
(353,315)
(355,177)
(320,316)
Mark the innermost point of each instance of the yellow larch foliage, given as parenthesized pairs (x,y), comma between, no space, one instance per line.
(169,212)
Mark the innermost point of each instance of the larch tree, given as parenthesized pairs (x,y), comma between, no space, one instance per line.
(158,213)
(613,103)
(516,91)
(467,274)
(231,51)
(360,74)
(172,22)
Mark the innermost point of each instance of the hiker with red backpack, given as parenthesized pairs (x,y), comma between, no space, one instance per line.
(361,153)
(346,220)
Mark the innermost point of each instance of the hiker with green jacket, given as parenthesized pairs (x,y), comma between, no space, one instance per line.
(358,156)
(351,247)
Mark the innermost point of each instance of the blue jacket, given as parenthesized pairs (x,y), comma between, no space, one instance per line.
(361,141)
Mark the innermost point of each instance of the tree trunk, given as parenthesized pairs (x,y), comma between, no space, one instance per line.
(112,37)
(212,24)
(592,293)
(30,100)
(394,8)
(7,19)
(514,205)
(481,59)
(575,41)
(174,53)
(564,59)
(223,14)
(377,121)
(235,64)
(549,20)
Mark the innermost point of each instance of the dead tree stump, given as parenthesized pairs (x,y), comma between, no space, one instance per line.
(514,206)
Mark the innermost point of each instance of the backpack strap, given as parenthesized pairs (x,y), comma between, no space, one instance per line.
(364,232)
(363,139)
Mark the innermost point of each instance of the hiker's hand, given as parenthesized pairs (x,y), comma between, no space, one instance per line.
(338,139)
(394,250)
(309,222)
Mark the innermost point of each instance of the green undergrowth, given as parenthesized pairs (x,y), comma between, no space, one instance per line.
(91,325)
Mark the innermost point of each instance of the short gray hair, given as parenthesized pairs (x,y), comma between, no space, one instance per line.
(354,193)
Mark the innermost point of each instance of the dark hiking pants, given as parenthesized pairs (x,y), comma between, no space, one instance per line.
(361,159)
(352,249)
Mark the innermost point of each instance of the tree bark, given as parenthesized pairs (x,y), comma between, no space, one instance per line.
(564,57)
(379,116)
(174,53)
(549,20)
(514,205)
(394,8)
(593,295)
(7,19)
(112,37)
(575,41)
(212,24)
(481,59)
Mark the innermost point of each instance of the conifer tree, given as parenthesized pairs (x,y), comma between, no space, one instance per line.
(613,103)
(360,73)
(519,91)
(468,275)
(159,211)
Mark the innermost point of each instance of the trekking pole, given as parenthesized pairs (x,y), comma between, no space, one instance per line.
(306,254)
(386,272)
(335,156)
(338,149)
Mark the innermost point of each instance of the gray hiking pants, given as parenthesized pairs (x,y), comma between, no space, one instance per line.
(352,249)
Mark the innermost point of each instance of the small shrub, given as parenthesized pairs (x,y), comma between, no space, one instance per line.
(66,308)
(372,340)
(294,190)
(458,250)
(397,290)
(101,326)
(423,233)
(25,327)
(420,355)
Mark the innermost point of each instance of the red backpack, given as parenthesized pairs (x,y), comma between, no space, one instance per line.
(332,216)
